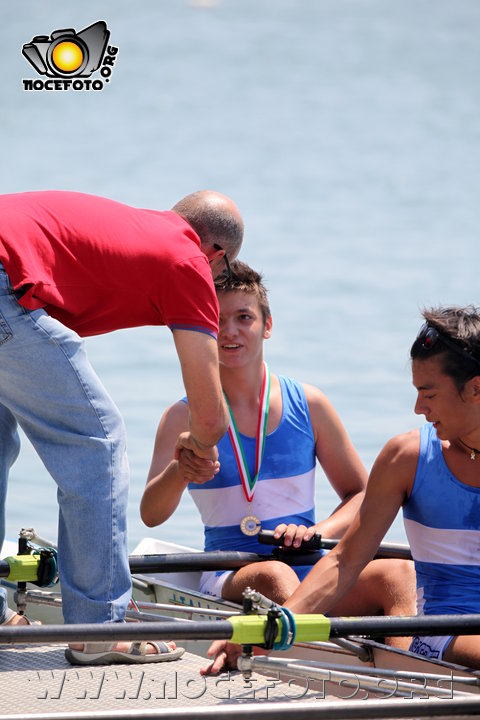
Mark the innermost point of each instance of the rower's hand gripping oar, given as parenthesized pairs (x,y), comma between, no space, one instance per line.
(317,542)
(266,537)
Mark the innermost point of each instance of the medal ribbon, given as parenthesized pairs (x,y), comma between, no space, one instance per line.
(247,482)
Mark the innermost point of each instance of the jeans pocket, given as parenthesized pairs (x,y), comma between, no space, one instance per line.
(5,331)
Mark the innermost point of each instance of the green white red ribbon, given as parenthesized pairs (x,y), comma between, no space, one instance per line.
(247,482)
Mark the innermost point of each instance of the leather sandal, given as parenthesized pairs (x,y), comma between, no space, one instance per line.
(98,653)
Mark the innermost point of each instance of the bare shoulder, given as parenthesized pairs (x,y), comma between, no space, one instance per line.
(402,448)
(175,418)
(397,461)
(313,393)
(317,401)
(326,422)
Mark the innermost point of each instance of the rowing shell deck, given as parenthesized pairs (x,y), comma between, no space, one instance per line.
(37,682)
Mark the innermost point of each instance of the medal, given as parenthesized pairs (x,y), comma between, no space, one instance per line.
(250,525)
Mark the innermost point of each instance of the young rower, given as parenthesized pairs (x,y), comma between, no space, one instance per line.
(434,474)
(293,425)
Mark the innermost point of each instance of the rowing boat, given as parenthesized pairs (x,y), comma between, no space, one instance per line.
(361,663)
(180,590)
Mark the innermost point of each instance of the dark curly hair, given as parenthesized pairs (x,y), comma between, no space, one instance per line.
(456,341)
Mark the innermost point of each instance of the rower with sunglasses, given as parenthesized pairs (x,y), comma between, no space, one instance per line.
(434,474)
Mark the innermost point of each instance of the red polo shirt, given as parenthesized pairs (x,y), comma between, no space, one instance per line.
(98,265)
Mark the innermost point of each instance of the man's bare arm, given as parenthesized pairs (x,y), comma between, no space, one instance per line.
(208,418)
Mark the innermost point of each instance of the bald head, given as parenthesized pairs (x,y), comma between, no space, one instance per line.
(215,218)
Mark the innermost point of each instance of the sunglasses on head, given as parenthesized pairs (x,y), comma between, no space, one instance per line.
(429,337)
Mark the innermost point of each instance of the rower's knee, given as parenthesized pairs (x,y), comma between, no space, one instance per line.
(276,580)
(271,578)
(400,596)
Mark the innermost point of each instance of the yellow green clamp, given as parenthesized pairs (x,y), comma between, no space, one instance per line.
(250,629)
(23,568)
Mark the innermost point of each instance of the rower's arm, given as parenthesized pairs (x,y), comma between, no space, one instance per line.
(388,487)
(165,484)
(168,475)
(340,463)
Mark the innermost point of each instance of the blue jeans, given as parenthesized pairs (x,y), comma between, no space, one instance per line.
(49,388)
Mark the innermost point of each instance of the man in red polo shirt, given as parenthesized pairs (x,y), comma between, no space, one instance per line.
(73,265)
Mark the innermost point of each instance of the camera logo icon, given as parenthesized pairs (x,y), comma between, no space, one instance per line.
(66,53)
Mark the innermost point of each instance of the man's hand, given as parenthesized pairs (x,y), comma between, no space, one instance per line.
(194,469)
(188,441)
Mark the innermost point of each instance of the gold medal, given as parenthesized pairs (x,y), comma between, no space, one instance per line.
(250,525)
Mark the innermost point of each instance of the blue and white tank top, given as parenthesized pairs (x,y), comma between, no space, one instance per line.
(285,489)
(442,522)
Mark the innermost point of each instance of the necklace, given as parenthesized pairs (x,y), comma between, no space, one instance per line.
(250,525)
(473,451)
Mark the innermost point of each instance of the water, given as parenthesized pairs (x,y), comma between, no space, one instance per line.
(347,131)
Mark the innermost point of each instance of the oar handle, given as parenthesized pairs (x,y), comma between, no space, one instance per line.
(385,550)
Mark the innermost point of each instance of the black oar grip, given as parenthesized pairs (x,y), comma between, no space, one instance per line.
(266,538)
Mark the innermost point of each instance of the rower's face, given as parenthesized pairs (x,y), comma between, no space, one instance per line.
(438,398)
(241,328)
